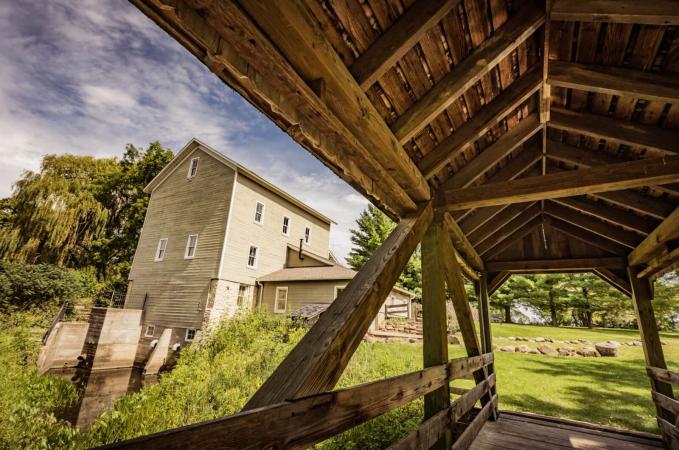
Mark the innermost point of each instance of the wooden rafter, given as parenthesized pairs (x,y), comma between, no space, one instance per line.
(552,265)
(491,155)
(509,229)
(615,81)
(586,236)
(518,234)
(615,130)
(468,72)
(656,12)
(612,177)
(589,223)
(621,284)
(296,33)
(617,216)
(461,244)
(500,220)
(638,202)
(451,147)
(398,39)
(496,281)
(657,242)
(318,360)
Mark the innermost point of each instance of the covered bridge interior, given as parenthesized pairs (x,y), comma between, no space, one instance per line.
(504,135)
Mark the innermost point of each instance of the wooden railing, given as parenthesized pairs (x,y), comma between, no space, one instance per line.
(397,310)
(302,422)
(668,408)
(60,315)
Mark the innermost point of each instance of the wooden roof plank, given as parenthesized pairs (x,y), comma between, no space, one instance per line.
(469,71)
(614,280)
(656,242)
(294,31)
(615,81)
(625,132)
(462,244)
(620,217)
(611,177)
(650,12)
(503,218)
(451,147)
(507,230)
(520,233)
(493,154)
(638,202)
(398,39)
(586,236)
(555,265)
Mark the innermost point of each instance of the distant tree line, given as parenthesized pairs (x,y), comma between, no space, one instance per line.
(578,299)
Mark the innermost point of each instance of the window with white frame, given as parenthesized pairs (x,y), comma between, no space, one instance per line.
(259,213)
(307,235)
(191,244)
(193,167)
(252,257)
(286,225)
(281,301)
(160,251)
(243,295)
(150,330)
(190,334)
(338,290)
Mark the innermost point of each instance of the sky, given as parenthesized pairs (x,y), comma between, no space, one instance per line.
(89,77)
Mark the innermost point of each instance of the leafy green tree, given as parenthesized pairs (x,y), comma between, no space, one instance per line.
(549,295)
(593,300)
(373,228)
(666,301)
(513,292)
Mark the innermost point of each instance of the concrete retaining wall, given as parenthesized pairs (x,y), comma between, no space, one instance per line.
(64,345)
(118,339)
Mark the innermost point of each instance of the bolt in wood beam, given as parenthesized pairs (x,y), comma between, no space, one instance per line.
(463,76)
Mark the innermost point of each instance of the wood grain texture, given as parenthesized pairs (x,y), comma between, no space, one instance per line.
(586,236)
(655,242)
(625,219)
(614,280)
(655,12)
(551,265)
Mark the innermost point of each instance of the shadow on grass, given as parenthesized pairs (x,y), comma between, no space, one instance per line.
(605,391)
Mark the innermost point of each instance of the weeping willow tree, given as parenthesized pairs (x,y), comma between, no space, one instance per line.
(56,213)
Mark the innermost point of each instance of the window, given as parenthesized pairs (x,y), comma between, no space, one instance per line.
(193,168)
(307,235)
(259,213)
(338,290)
(150,330)
(190,334)
(160,252)
(242,295)
(286,225)
(281,303)
(252,257)
(191,245)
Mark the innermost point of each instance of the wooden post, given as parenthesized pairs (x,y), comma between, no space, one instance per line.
(486,334)
(642,294)
(434,321)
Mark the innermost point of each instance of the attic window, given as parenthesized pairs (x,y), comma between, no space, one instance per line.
(286,225)
(193,168)
(307,235)
(160,251)
(259,213)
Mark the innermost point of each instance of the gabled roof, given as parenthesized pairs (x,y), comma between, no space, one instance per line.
(319,273)
(314,256)
(194,144)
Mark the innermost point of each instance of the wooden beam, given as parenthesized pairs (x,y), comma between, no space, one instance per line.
(516,236)
(613,177)
(614,280)
(555,265)
(615,130)
(497,281)
(472,430)
(655,12)
(583,158)
(636,201)
(642,294)
(490,115)
(586,236)
(609,80)
(463,76)
(660,264)
(228,52)
(655,243)
(484,316)
(617,216)
(318,360)
(503,218)
(435,319)
(604,229)
(297,34)
(493,154)
(507,231)
(461,244)
(394,43)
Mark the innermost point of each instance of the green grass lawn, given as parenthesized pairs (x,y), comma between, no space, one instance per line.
(608,391)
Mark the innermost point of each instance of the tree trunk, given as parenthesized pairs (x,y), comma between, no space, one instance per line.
(552,310)
(588,319)
(508,314)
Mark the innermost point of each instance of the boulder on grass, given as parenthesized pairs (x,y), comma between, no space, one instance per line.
(547,350)
(539,339)
(588,352)
(606,348)
(566,351)
(507,348)
(453,340)
(522,348)
(534,351)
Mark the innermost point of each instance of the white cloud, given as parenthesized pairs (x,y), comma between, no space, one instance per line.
(88,77)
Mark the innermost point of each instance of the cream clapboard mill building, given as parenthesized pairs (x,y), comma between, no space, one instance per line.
(217,237)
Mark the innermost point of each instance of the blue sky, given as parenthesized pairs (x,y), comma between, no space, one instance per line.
(88,77)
